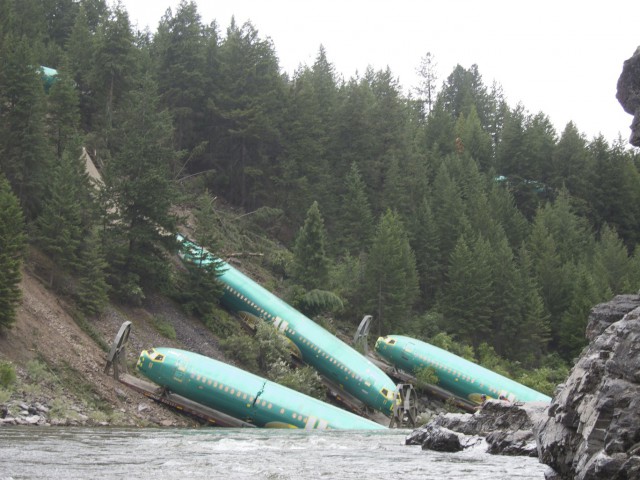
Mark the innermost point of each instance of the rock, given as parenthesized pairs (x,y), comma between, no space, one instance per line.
(441,439)
(628,94)
(519,443)
(32,419)
(605,314)
(508,428)
(592,430)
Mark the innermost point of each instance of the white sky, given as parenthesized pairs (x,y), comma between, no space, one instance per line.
(561,57)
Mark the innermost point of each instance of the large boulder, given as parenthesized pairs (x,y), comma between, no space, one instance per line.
(593,426)
(508,428)
(628,94)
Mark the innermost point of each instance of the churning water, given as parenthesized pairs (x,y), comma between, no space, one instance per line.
(90,453)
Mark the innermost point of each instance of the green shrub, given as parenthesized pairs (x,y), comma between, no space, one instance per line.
(164,327)
(426,376)
(305,379)
(243,349)
(7,375)
(39,372)
(220,323)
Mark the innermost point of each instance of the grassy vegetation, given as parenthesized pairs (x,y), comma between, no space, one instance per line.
(164,327)
(7,375)
(87,328)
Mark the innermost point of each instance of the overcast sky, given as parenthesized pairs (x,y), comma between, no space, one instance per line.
(561,57)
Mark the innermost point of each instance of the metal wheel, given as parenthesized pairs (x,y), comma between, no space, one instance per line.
(117,353)
(361,335)
(405,408)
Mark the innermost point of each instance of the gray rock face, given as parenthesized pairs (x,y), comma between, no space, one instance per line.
(593,426)
(508,429)
(628,94)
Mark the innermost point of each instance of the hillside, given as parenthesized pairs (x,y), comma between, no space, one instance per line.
(60,366)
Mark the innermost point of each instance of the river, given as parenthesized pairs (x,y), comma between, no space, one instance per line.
(232,454)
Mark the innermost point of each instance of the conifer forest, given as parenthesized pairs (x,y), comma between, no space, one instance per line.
(446,213)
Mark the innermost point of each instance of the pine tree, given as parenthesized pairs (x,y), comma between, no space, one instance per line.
(113,68)
(24,155)
(356,222)
(307,169)
(428,79)
(138,194)
(180,46)
(476,142)
(467,296)
(534,331)
(59,227)
(571,162)
(250,104)
(583,297)
(200,289)
(612,265)
(91,292)
(63,119)
(12,248)
(425,242)
(311,267)
(391,278)
(80,51)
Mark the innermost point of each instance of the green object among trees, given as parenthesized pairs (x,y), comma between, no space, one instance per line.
(49,77)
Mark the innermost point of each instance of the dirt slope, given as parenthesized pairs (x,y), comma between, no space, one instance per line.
(45,331)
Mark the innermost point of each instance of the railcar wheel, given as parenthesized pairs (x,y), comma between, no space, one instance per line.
(117,353)
(405,406)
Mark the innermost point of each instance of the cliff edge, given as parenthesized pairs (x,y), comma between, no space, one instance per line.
(628,94)
(593,426)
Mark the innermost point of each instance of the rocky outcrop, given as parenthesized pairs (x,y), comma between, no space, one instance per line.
(628,94)
(507,428)
(591,429)
(593,426)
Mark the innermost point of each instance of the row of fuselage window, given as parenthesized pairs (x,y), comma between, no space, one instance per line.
(232,392)
(439,367)
(291,334)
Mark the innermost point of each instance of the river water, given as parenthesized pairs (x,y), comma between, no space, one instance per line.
(95,453)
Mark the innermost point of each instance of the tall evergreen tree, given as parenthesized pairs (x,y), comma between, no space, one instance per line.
(12,248)
(251,103)
(391,278)
(91,292)
(475,141)
(113,69)
(532,338)
(307,170)
(428,78)
(60,226)
(571,163)
(466,298)
(63,118)
(199,288)
(425,243)
(311,267)
(356,223)
(138,194)
(181,48)
(24,155)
